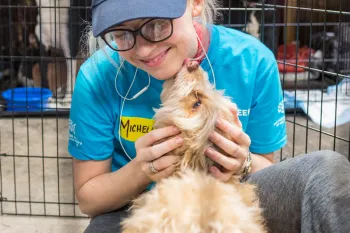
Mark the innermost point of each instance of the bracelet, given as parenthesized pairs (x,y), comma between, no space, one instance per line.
(247,168)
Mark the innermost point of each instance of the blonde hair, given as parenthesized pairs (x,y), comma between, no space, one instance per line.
(91,44)
(210,12)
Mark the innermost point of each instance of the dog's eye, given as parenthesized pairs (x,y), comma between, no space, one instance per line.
(197,104)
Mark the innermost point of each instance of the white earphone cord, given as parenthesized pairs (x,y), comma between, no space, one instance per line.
(125,97)
(206,56)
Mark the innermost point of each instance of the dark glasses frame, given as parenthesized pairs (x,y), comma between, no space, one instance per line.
(137,32)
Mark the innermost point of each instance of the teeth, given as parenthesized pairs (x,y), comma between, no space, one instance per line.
(156,59)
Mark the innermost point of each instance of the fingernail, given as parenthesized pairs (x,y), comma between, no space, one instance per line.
(179,140)
(234,110)
(210,151)
(218,122)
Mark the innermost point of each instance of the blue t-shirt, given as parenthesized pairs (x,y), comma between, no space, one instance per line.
(243,66)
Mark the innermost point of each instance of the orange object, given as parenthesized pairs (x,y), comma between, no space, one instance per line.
(290,57)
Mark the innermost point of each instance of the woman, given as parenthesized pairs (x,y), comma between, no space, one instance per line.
(111,134)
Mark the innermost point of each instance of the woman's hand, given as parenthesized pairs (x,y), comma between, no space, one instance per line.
(150,157)
(238,149)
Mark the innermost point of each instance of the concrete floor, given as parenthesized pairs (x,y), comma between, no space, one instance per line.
(21,224)
(304,136)
(41,172)
(45,176)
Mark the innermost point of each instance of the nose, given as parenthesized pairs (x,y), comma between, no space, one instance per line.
(143,47)
(192,65)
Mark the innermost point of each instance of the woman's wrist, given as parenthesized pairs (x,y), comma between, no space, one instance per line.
(247,166)
(142,179)
(259,162)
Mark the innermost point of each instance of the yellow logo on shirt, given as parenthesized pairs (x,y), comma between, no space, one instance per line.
(132,128)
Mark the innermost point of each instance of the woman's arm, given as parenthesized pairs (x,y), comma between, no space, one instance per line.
(99,190)
(262,161)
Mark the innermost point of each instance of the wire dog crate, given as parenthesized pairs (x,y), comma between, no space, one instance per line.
(41,50)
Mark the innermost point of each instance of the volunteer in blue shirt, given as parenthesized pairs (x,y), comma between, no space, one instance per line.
(111,136)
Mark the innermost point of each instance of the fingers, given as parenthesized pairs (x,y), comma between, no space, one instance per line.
(234,131)
(156,135)
(164,173)
(228,163)
(156,151)
(156,176)
(234,111)
(228,146)
(236,145)
(219,175)
(148,151)
(165,161)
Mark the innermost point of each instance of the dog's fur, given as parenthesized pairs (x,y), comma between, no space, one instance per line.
(178,98)
(192,200)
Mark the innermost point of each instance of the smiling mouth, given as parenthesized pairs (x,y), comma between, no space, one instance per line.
(156,60)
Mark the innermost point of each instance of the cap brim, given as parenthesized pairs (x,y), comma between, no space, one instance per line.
(113,12)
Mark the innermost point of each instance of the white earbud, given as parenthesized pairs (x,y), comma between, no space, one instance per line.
(140,92)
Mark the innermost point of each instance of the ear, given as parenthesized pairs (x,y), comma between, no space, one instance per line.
(197,7)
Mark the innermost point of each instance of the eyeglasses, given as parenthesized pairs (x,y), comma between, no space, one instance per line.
(154,30)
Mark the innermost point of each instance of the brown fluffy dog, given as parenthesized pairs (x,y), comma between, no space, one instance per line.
(192,200)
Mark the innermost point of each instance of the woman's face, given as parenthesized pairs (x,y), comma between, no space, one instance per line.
(164,59)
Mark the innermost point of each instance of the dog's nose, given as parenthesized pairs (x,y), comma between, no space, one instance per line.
(192,65)
(187,61)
